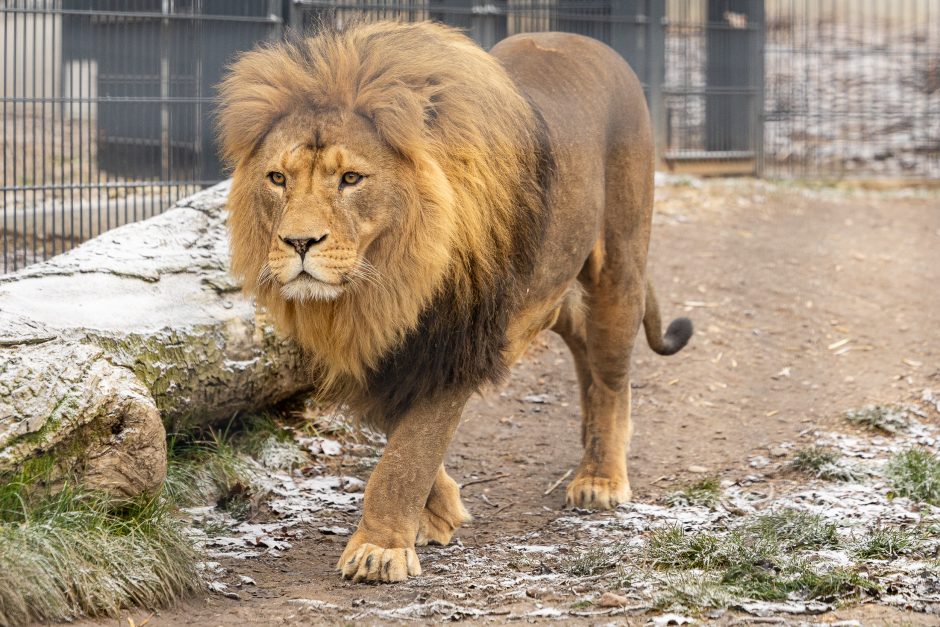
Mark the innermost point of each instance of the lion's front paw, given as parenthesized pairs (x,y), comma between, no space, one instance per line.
(369,562)
(597,493)
(439,528)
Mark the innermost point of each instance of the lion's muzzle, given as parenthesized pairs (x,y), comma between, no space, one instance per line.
(303,244)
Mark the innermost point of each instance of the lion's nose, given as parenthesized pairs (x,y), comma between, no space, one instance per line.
(303,244)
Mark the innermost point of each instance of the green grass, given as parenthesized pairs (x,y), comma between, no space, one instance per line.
(690,592)
(206,469)
(594,561)
(673,548)
(883,543)
(915,473)
(886,418)
(268,442)
(813,459)
(704,492)
(827,464)
(759,561)
(225,466)
(793,529)
(66,553)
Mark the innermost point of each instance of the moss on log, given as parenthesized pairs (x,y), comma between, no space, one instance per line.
(138,330)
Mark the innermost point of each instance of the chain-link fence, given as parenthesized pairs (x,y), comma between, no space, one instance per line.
(107,104)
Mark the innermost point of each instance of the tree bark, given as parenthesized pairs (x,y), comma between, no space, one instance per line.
(140,330)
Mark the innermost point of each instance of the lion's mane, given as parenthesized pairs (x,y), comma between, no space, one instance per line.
(479,156)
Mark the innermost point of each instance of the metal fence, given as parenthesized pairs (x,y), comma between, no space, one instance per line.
(107,103)
(107,109)
(852,88)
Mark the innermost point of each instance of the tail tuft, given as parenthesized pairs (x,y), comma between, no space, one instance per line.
(677,336)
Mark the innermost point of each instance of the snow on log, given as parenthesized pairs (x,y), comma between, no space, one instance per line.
(135,331)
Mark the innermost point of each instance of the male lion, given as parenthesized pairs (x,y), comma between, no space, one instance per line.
(413,211)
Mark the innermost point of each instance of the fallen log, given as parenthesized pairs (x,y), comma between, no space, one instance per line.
(134,332)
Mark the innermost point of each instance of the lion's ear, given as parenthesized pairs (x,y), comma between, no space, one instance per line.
(400,120)
(258,89)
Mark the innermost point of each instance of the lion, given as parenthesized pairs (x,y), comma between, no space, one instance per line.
(413,211)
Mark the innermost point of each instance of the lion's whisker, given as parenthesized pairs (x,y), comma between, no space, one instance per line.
(265,276)
(368,275)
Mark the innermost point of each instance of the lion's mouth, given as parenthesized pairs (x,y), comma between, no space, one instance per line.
(305,287)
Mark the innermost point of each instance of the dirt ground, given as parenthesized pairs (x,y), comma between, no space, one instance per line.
(775,277)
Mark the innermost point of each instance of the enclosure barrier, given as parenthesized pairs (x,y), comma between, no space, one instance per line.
(107,104)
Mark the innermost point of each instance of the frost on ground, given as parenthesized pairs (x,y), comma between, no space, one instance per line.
(777,542)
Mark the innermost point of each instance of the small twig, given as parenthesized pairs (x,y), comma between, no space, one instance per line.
(487,501)
(558,483)
(594,613)
(732,509)
(487,480)
(760,504)
(502,508)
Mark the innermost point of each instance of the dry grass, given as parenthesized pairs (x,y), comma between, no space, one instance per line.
(73,553)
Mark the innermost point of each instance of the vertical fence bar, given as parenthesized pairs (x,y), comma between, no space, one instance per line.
(33,174)
(756,83)
(656,72)
(6,182)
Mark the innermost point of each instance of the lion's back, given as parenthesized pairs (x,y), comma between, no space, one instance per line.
(575,81)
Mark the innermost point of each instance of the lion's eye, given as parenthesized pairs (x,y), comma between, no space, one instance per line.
(350,178)
(277,178)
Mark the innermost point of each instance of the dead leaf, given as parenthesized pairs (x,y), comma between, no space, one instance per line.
(609,599)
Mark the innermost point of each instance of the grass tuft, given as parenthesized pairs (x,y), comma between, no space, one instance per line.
(793,529)
(594,561)
(827,464)
(75,553)
(915,473)
(814,459)
(887,418)
(206,470)
(690,592)
(225,467)
(760,561)
(270,444)
(704,492)
(884,543)
(673,548)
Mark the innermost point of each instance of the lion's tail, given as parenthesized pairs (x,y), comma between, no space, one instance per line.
(677,335)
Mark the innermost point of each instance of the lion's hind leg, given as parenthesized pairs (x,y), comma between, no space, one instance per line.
(601,339)
(443,513)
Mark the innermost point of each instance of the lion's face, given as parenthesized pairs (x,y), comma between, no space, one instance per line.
(373,183)
(328,192)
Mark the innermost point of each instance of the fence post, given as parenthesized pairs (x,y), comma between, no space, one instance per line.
(456,13)
(627,32)
(758,42)
(166,8)
(656,73)
(489,22)
(729,35)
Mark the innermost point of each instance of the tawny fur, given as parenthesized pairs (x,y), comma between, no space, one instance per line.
(512,193)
